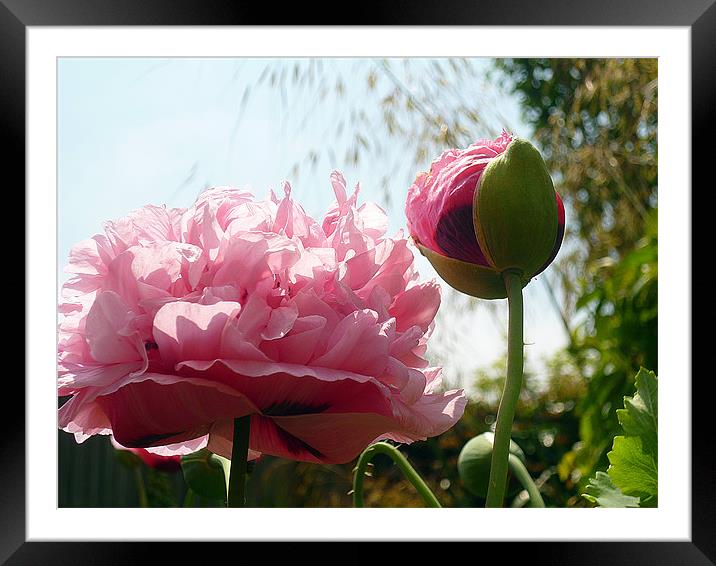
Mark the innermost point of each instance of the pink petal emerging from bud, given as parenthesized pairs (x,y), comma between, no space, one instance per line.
(439,204)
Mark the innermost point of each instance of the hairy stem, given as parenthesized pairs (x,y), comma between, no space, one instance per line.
(402,463)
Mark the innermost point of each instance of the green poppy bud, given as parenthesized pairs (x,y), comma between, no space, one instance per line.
(518,218)
(474,462)
(470,246)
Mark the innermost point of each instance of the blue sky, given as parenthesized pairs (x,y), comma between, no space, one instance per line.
(140,131)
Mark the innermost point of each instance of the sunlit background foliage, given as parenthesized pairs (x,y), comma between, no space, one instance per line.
(595,120)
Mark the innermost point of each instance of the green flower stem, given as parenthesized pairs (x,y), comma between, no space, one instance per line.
(520,472)
(239,463)
(511,392)
(402,463)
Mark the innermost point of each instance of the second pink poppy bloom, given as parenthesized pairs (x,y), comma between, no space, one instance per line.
(178,321)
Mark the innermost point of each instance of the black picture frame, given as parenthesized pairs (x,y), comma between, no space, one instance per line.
(698,15)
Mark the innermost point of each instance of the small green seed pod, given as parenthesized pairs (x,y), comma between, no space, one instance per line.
(518,219)
(474,461)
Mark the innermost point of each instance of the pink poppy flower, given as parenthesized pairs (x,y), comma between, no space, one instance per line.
(177,321)
(441,218)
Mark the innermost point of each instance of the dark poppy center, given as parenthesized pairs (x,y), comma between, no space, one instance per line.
(455,235)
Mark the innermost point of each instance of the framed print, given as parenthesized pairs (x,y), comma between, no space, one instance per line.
(223,341)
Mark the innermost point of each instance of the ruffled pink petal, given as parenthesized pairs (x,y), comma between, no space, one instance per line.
(166,264)
(433,379)
(333,215)
(293,221)
(180,448)
(358,270)
(287,395)
(394,258)
(212,295)
(255,315)
(121,280)
(299,345)
(168,410)
(432,415)
(358,344)
(82,417)
(106,331)
(309,303)
(253,257)
(416,306)
(439,203)
(192,331)
(165,463)
(250,217)
(81,288)
(280,322)
(78,376)
(236,345)
(321,438)
(145,225)
(379,300)
(313,266)
(374,220)
(273,386)
(85,259)
(205,222)
(412,391)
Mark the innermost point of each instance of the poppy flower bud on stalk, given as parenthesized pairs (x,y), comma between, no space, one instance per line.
(473,464)
(489,220)
(484,210)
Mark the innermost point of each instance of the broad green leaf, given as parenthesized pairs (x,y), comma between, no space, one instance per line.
(206,474)
(633,470)
(604,493)
(640,414)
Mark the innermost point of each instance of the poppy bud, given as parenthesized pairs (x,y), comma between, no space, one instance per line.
(483,210)
(473,465)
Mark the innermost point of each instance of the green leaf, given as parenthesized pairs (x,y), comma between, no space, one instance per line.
(640,415)
(604,493)
(206,474)
(632,476)
(633,470)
